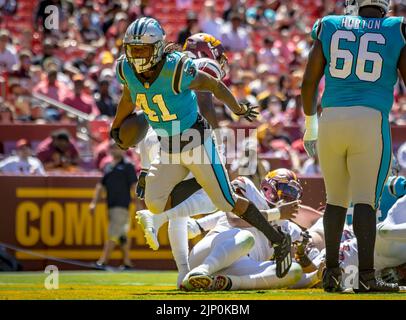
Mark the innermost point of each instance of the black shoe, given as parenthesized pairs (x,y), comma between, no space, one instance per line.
(332,280)
(282,254)
(369,283)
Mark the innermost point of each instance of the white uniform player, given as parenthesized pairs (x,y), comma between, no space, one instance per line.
(231,258)
(390,246)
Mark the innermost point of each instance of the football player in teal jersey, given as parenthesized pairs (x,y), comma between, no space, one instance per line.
(394,189)
(360,56)
(162,83)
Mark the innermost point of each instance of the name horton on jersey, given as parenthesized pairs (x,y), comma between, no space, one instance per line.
(56,221)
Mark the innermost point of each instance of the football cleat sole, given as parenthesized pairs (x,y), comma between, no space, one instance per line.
(145,220)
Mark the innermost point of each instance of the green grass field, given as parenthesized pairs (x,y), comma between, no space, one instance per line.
(144,285)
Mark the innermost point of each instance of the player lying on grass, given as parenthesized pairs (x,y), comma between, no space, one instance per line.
(235,256)
(279,185)
(162,83)
(390,248)
(242,272)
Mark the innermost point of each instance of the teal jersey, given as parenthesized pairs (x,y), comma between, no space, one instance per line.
(168,103)
(395,188)
(362,57)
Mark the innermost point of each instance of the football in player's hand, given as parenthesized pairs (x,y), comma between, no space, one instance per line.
(133,129)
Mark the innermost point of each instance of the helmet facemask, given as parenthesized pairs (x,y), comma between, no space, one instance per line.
(144,56)
(144,44)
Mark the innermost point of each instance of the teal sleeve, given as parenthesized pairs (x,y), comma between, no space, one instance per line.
(400,186)
(397,186)
(316,30)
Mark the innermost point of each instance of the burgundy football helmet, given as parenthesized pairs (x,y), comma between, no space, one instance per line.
(281,184)
(204,45)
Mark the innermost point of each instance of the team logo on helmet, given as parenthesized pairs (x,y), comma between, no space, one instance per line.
(281,184)
(144,42)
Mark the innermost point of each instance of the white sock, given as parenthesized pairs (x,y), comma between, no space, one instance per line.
(209,222)
(225,253)
(266,279)
(178,239)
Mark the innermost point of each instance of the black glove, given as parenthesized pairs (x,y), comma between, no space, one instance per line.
(141,184)
(248,112)
(115,135)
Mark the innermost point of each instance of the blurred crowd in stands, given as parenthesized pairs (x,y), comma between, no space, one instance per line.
(267,43)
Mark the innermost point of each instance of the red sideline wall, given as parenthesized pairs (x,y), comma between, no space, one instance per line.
(50,216)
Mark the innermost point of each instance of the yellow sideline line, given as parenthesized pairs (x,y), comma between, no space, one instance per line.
(83,193)
(95,254)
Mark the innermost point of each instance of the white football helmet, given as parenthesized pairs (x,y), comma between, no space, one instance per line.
(144,43)
(351,7)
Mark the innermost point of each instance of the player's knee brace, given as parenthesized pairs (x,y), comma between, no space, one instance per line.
(122,240)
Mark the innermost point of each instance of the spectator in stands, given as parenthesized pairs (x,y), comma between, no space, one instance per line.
(48,51)
(83,65)
(192,27)
(209,22)
(272,96)
(51,87)
(6,113)
(58,151)
(110,15)
(8,7)
(250,60)
(104,101)
(241,92)
(79,99)
(267,56)
(233,6)
(21,71)
(7,58)
(311,167)
(268,133)
(263,72)
(234,35)
(259,16)
(23,162)
(89,33)
(116,31)
(118,180)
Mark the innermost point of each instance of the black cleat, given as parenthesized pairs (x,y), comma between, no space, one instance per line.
(369,283)
(282,255)
(332,280)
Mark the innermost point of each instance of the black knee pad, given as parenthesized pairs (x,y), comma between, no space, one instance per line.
(184,190)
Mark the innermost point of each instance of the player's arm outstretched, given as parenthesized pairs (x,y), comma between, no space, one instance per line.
(124,108)
(205,82)
(311,79)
